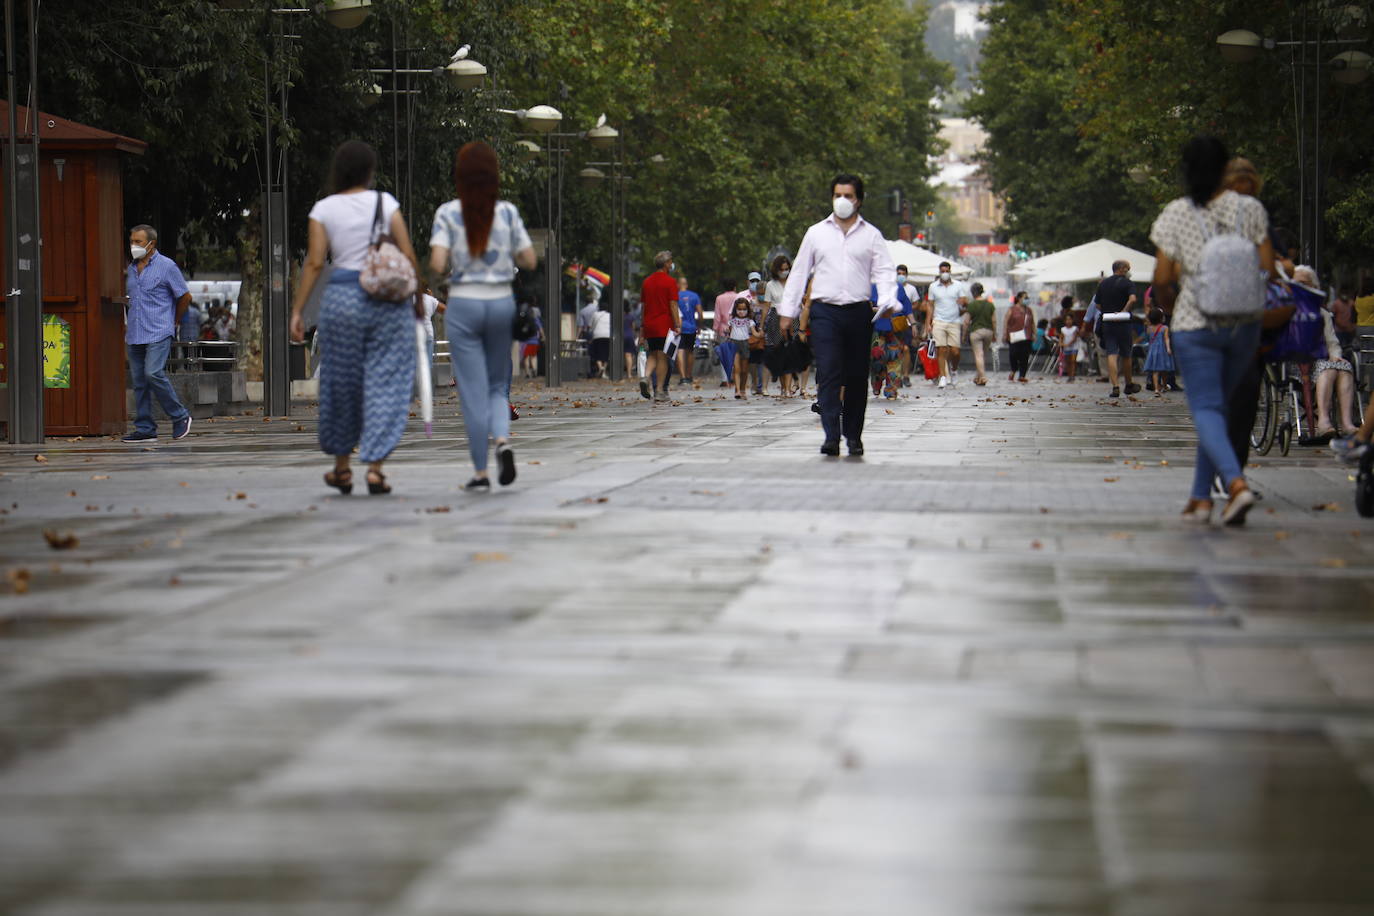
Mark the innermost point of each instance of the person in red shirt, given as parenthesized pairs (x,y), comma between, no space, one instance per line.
(661,315)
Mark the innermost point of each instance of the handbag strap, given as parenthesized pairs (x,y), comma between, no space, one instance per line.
(376,234)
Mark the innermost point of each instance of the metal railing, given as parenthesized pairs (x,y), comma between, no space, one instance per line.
(203,356)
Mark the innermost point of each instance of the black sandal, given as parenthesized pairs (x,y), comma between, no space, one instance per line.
(380,487)
(340,480)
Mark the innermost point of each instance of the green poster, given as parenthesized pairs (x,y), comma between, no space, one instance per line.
(57,352)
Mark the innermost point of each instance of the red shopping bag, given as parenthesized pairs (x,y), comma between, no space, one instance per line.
(930,363)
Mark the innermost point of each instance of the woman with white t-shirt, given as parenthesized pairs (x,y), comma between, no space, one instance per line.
(1211,351)
(367,346)
(478,242)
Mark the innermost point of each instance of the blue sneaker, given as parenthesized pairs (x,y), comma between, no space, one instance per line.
(137,436)
(1349,450)
(181,428)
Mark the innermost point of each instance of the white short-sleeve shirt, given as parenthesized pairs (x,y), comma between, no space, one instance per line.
(1179,233)
(347,220)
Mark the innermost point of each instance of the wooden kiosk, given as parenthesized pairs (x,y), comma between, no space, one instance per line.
(84,258)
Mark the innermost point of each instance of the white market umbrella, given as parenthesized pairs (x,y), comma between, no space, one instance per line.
(923,266)
(1082,263)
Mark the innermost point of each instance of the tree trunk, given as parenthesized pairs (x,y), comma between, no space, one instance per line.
(248,328)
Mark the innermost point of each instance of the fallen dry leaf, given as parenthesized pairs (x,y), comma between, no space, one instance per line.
(18,580)
(1036,545)
(491,557)
(41,459)
(64,541)
(100,477)
(1326,507)
(240,495)
(1331,562)
(433,510)
(1280,535)
(1110,479)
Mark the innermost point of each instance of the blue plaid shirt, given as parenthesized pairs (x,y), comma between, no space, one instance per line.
(153,295)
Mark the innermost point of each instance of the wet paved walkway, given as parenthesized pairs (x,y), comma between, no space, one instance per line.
(686,666)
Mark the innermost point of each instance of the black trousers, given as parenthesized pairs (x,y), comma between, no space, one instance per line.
(1241,409)
(841,338)
(1020,357)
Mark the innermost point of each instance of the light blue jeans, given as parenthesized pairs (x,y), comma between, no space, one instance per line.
(148,375)
(479,340)
(1212,362)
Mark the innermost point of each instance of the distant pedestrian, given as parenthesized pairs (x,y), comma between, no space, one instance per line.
(1115,297)
(659,297)
(367,346)
(843,255)
(529,347)
(689,304)
(948,298)
(479,241)
(158,298)
(601,342)
(982,333)
(743,328)
(1068,347)
(188,326)
(725,350)
(1019,336)
(776,357)
(1212,350)
(1159,361)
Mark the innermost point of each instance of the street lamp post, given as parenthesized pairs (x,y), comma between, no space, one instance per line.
(1305,54)
(23,251)
(276,341)
(605,137)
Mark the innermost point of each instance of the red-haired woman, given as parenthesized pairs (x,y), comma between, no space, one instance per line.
(478,242)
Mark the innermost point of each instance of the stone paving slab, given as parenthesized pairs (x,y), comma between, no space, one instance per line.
(687,665)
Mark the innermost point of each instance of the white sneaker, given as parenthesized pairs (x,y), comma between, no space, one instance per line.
(944,380)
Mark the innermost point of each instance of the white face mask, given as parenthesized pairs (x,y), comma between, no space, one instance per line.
(782,274)
(944,276)
(843,206)
(138,252)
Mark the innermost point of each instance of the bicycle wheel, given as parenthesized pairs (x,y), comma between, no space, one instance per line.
(1266,419)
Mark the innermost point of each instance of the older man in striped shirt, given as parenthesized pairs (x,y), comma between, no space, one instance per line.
(158,297)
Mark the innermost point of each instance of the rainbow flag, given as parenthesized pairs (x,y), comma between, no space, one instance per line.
(577,271)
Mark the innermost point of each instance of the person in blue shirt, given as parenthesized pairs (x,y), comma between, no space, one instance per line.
(158,297)
(689,303)
(904,310)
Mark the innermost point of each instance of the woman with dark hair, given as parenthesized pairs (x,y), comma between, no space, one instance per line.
(777,353)
(478,242)
(1018,334)
(367,346)
(1211,348)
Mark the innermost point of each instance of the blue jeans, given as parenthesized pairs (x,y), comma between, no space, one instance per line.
(148,375)
(479,332)
(1212,362)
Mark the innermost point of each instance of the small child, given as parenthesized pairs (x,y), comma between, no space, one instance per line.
(1159,361)
(1041,334)
(742,326)
(1068,347)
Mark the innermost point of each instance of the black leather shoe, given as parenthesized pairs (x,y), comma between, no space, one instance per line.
(856,447)
(831,448)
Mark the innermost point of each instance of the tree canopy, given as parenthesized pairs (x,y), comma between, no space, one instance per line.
(1088,102)
(752,105)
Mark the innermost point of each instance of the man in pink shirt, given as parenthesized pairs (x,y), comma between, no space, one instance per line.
(845,257)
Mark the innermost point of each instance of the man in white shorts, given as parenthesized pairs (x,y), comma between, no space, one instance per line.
(947,297)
